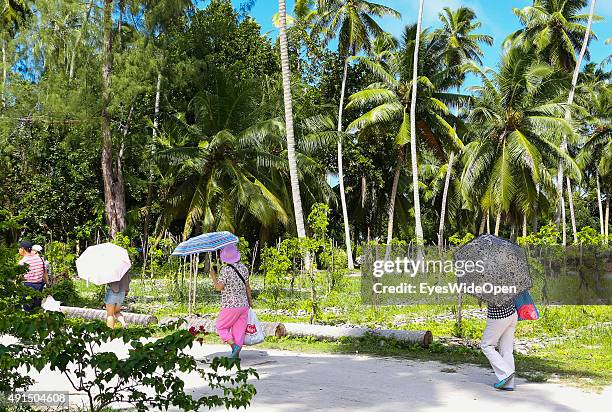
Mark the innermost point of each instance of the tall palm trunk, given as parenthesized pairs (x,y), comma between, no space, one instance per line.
(599,205)
(77,42)
(607,222)
(571,208)
(568,115)
(524,224)
(418,228)
(347,234)
(449,169)
(497,223)
(295,185)
(113,202)
(147,215)
(3,73)
(391,211)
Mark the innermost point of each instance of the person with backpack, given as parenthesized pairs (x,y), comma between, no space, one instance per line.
(233,283)
(36,276)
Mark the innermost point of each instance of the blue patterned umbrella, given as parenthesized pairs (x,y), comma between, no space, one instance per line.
(208,242)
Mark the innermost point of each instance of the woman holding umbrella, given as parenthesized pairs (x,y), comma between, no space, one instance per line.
(233,283)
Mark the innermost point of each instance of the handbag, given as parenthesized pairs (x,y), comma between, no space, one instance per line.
(254,332)
(525,307)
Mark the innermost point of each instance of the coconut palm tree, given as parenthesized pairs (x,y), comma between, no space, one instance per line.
(418,226)
(556,29)
(228,168)
(516,118)
(293,172)
(463,48)
(595,94)
(389,100)
(568,116)
(353,23)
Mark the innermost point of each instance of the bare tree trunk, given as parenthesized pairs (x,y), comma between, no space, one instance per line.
(488,222)
(112,203)
(563,225)
(568,115)
(347,234)
(599,205)
(571,208)
(147,216)
(78,40)
(607,223)
(483,222)
(364,191)
(497,223)
(418,228)
(295,186)
(3,73)
(120,186)
(449,169)
(391,211)
(524,224)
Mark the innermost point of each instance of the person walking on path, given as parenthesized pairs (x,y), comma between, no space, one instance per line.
(36,276)
(233,283)
(115,295)
(499,331)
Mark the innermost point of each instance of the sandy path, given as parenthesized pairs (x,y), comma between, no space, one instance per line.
(291,381)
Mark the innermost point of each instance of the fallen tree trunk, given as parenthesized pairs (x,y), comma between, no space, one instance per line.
(269,328)
(422,337)
(85,313)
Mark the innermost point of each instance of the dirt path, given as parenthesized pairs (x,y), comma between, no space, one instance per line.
(291,381)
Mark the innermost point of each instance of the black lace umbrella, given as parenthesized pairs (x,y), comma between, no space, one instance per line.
(497,263)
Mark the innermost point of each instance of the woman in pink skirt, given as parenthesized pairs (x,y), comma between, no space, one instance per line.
(233,283)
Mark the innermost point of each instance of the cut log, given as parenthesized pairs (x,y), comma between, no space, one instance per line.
(85,313)
(422,337)
(269,328)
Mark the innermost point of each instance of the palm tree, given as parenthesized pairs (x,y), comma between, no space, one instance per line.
(568,116)
(555,28)
(293,172)
(353,23)
(515,117)
(391,98)
(463,47)
(595,94)
(418,227)
(228,168)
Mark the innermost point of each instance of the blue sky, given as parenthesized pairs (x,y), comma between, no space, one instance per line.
(495,15)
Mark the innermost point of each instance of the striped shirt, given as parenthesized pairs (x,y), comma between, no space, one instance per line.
(36,268)
(500,312)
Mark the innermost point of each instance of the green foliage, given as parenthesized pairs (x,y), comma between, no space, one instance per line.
(589,237)
(547,235)
(63,290)
(245,251)
(125,242)
(275,264)
(62,257)
(458,240)
(318,221)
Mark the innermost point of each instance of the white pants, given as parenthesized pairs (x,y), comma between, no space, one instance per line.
(500,332)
